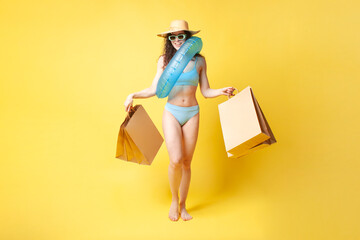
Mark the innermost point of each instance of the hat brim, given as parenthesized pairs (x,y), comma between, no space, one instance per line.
(164,34)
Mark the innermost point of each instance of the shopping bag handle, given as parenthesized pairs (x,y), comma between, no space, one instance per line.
(233,92)
(132,109)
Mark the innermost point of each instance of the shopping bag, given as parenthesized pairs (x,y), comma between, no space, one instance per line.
(244,126)
(123,149)
(138,138)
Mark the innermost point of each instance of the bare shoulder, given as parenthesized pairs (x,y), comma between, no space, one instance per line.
(201,62)
(161,57)
(160,62)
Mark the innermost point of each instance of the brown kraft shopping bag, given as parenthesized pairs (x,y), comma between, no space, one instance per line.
(138,139)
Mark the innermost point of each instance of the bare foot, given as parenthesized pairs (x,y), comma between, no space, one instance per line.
(184,214)
(174,211)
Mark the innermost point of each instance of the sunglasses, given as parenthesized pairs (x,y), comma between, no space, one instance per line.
(174,37)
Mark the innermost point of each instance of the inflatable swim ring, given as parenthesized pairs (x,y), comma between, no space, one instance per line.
(177,65)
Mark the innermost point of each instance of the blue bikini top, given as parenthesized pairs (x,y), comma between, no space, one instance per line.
(189,78)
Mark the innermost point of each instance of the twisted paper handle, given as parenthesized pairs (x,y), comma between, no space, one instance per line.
(233,92)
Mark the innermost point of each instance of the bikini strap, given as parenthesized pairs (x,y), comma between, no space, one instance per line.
(196,60)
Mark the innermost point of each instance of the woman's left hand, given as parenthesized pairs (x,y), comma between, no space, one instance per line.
(228,91)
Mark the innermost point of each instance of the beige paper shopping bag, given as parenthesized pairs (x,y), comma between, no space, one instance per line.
(138,139)
(244,125)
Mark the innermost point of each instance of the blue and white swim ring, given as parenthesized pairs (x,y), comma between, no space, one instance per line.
(176,66)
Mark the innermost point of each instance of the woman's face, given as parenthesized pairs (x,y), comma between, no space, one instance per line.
(177,43)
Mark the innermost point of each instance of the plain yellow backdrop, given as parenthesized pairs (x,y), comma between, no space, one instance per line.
(66,68)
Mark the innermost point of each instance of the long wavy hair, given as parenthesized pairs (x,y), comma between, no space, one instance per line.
(169,51)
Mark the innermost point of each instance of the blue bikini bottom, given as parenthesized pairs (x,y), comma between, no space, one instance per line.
(182,114)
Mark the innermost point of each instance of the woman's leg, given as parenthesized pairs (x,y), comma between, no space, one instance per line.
(190,134)
(173,140)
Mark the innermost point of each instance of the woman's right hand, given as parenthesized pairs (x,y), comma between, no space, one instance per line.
(128,103)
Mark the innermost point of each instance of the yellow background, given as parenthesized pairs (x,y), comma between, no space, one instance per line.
(66,68)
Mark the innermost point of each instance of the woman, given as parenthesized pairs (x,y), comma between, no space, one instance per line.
(181,115)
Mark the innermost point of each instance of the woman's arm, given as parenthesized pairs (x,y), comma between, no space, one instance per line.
(208,92)
(148,92)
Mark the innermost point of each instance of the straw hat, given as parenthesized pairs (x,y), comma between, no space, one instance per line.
(177,25)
